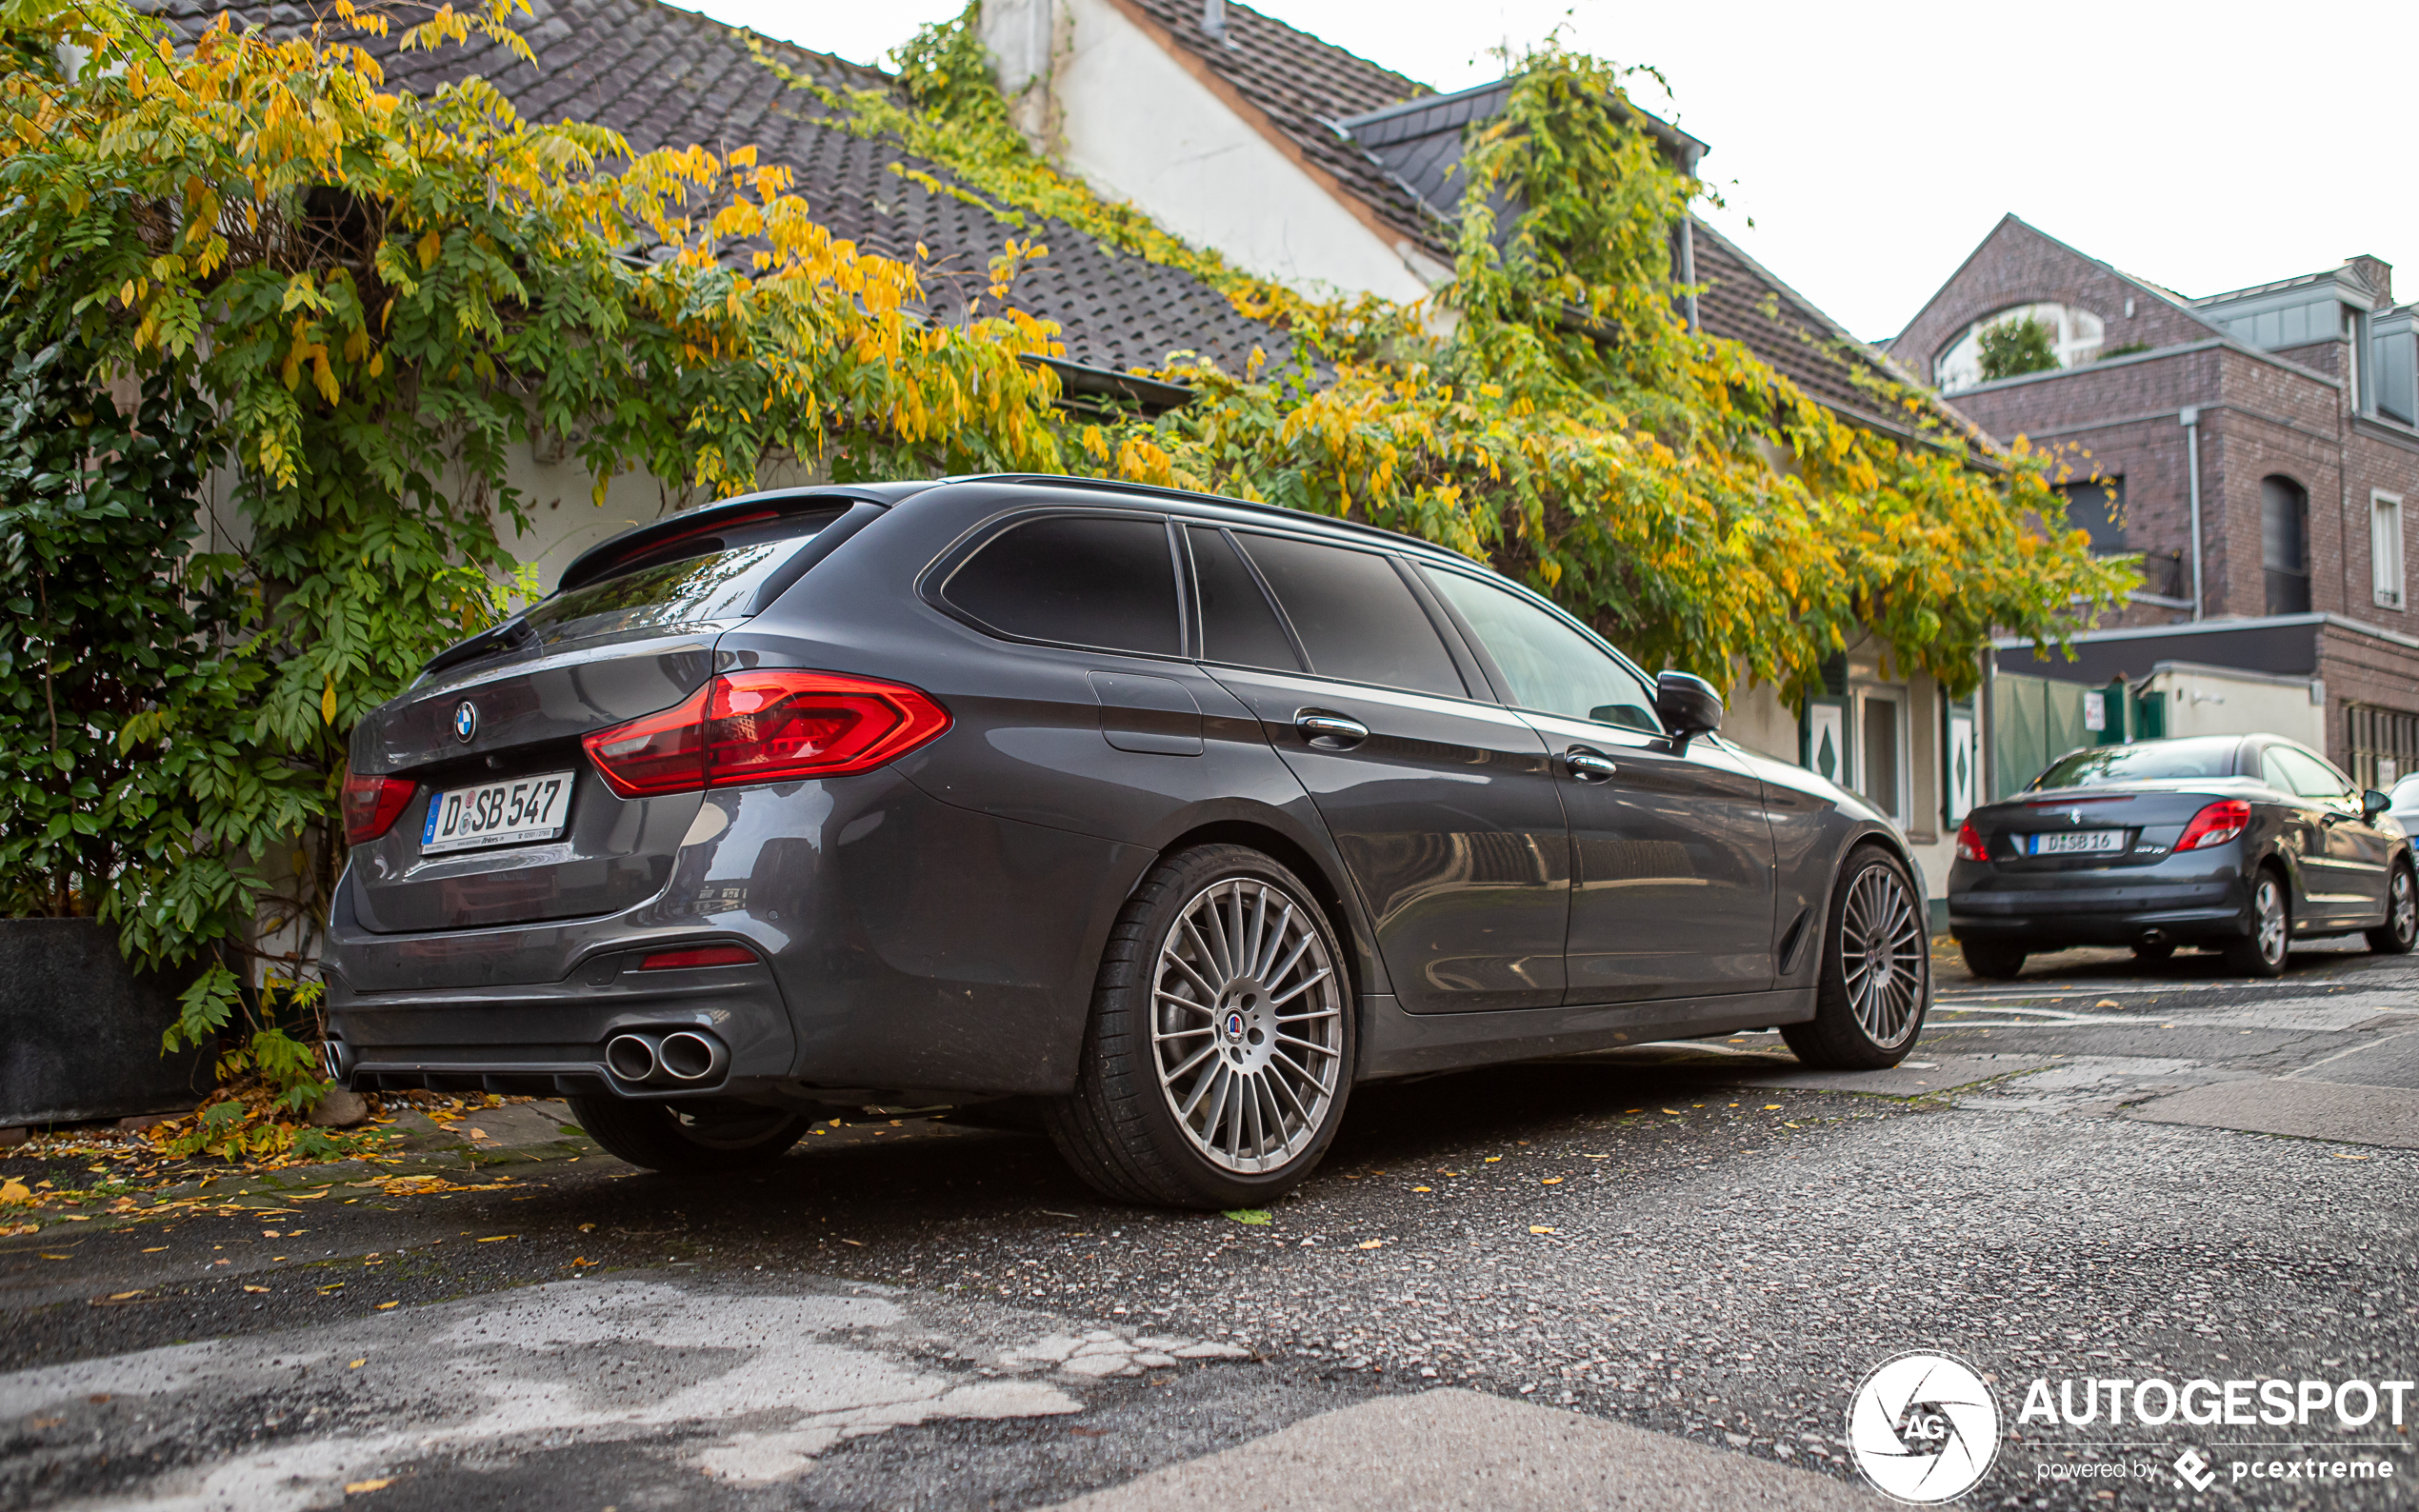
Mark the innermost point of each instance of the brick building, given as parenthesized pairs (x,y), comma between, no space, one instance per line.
(2281,418)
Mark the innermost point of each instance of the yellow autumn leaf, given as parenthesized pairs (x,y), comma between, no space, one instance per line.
(327,704)
(14,1193)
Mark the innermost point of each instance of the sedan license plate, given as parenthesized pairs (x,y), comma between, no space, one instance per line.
(508,813)
(2076,842)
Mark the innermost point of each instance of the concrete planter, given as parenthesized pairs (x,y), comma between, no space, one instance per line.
(80,1029)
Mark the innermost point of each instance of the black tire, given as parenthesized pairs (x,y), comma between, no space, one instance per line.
(2154,953)
(1990,960)
(1120,1131)
(2401,929)
(701,1136)
(2264,952)
(1875,983)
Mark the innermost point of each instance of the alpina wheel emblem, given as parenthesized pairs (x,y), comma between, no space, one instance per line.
(1234,1026)
(466,721)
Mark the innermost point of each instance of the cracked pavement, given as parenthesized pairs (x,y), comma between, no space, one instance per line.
(1668,1267)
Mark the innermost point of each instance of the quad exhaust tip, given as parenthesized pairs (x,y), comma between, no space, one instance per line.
(683,1057)
(688,1056)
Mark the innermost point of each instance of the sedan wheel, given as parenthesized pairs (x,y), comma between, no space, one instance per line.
(1876,973)
(1221,1043)
(2270,942)
(2401,929)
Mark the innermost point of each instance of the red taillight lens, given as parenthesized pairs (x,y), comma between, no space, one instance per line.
(370,805)
(701,956)
(663,753)
(765,726)
(1969,847)
(2217,825)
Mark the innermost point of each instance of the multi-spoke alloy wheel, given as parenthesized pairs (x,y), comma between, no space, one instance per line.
(1885,950)
(1874,980)
(2270,942)
(1220,1050)
(2401,928)
(1247,1025)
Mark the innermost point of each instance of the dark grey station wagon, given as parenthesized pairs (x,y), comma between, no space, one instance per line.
(1180,815)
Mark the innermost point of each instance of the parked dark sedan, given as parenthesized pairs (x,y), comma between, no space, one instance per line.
(2236,843)
(1181,815)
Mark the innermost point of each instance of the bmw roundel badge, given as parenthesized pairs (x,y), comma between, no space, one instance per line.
(466,721)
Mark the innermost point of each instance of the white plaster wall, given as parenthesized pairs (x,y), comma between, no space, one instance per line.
(1138,127)
(2212,702)
(558,495)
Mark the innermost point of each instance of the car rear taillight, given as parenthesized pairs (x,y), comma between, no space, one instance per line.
(1970,846)
(765,726)
(2217,825)
(370,805)
(698,956)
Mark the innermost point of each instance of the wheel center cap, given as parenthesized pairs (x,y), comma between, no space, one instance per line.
(1234,1025)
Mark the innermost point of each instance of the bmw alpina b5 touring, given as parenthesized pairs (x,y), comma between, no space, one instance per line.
(1178,815)
(2238,843)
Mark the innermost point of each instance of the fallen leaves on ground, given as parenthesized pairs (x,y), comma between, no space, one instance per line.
(1256,1217)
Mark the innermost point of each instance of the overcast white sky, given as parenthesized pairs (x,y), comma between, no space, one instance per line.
(1872,143)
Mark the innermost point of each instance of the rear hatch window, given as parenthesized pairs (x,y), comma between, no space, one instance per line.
(709,578)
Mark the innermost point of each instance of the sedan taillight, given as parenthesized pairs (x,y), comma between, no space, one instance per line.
(2217,825)
(1970,846)
(371,803)
(765,726)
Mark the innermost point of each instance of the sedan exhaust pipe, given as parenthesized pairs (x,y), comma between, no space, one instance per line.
(631,1057)
(688,1056)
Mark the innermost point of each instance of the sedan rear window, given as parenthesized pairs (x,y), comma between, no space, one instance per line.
(2151,761)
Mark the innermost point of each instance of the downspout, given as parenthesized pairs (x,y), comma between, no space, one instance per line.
(2191,419)
(1689,268)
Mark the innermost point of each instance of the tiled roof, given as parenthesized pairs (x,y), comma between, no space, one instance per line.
(1742,301)
(1303,86)
(667,78)
(1420,145)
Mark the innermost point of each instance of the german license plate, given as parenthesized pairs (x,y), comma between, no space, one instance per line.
(508,813)
(2076,842)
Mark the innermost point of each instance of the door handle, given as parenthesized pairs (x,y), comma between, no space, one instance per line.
(1590,765)
(1329,730)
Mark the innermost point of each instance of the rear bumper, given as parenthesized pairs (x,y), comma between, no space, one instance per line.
(549,1038)
(2204,910)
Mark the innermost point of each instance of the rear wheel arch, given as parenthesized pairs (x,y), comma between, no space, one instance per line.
(1335,899)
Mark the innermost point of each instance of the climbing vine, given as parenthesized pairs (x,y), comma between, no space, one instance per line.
(363,302)
(1548,412)
(343,308)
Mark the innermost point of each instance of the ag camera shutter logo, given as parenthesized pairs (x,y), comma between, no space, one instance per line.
(1923,1428)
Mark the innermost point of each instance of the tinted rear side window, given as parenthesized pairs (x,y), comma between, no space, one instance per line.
(692,580)
(1356,616)
(1084,580)
(1238,626)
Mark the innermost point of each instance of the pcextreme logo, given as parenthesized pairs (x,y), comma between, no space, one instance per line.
(1923,1427)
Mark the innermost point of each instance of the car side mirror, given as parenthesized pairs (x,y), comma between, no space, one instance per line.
(2373,803)
(1688,707)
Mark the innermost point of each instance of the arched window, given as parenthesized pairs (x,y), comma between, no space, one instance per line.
(2284,544)
(2074,334)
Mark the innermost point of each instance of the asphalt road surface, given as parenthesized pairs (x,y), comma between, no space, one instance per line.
(1646,1279)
